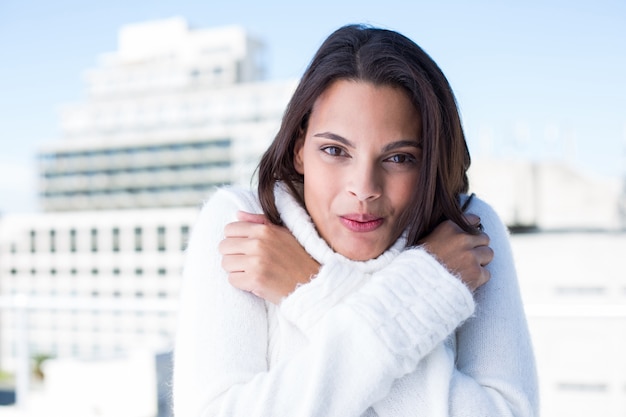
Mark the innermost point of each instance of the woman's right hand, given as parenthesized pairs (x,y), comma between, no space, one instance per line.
(263,258)
(464,254)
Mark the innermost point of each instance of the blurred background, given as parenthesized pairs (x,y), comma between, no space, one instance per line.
(118,119)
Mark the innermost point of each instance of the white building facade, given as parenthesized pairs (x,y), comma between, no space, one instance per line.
(169,116)
(574,291)
(569,258)
(175,112)
(92,283)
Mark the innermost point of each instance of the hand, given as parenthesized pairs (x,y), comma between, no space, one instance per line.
(263,258)
(464,254)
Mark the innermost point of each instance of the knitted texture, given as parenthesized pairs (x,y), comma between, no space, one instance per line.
(394,336)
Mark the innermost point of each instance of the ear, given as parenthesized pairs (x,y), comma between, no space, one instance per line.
(298,160)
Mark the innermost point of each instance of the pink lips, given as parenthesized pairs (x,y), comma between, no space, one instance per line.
(361,222)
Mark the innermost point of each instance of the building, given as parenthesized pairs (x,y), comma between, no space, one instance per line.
(170,115)
(568,244)
(548,196)
(175,112)
(574,290)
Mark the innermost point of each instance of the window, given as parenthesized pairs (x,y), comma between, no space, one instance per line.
(184,237)
(162,271)
(94,271)
(138,271)
(116,239)
(72,240)
(53,246)
(94,240)
(138,239)
(161,238)
(580,290)
(116,271)
(582,387)
(33,238)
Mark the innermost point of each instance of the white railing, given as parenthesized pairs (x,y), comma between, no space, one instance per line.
(22,304)
(575,310)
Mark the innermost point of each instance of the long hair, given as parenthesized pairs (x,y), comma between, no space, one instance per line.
(384,58)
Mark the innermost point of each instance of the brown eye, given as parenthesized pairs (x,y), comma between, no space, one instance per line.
(401,158)
(333,151)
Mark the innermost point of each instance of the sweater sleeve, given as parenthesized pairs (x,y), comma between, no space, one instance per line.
(356,350)
(413,286)
(313,300)
(209,356)
(495,372)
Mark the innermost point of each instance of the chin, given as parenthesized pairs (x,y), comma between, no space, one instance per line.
(356,255)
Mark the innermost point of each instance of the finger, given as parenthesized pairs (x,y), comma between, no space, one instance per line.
(485,277)
(479,279)
(240,229)
(481,239)
(234,246)
(472,218)
(233,263)
(484,255)
(244,216)
(467,241)
(475,221)
(238,280)
(243,280)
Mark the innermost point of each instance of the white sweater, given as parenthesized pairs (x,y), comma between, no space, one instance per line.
(390,337)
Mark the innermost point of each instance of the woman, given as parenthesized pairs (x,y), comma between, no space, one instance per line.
(353,283)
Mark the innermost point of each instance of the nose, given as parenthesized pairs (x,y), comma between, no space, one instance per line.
(365,183)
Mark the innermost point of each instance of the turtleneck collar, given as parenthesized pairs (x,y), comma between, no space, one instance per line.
(298,221)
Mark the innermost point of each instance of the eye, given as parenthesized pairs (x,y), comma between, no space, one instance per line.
(334,151)
(401,158)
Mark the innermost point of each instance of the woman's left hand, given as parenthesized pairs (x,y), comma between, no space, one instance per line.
(464,254)
(263,258)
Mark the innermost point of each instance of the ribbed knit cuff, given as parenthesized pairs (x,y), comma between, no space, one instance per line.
(414,304)
(311,301)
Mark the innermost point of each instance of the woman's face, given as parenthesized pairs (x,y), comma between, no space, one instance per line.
(360,159)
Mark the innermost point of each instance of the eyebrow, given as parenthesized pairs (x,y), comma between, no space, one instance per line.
(388,147)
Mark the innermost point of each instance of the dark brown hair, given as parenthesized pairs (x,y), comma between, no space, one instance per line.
(384,58)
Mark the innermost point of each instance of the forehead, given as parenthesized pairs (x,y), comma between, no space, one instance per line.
(350,88)
(360,106)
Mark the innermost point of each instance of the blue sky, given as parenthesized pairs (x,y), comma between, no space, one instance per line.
(534,79)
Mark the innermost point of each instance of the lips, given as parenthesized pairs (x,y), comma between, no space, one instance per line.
(361,222)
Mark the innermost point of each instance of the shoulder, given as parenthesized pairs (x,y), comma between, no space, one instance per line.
(216,212)
(478,206)
(489,218)
(229,199)
(222,206)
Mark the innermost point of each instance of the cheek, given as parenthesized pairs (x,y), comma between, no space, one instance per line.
(317,176)
(316,187)
(311,192)
(320,189)
(403,192)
